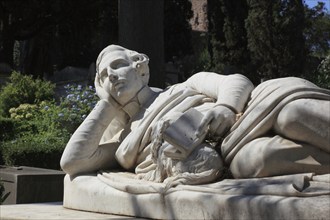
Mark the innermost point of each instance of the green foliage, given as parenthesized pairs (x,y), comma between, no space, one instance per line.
(38,150)
(203,62)
(77,104)
(7,131)
(317,42)
(228,38)
(6,128)
(23,111)
(39,132)
(30,119)
(21,121)
(24,89)
(37,137)
(266,39)
(322,76)
(275,37)
(317,30)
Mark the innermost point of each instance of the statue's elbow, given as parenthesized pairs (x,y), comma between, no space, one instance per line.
(68,166)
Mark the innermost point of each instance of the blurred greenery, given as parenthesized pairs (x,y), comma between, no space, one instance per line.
(260,39)
(24,89)
(266,39)
(35,134)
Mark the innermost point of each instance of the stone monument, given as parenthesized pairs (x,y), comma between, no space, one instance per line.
(209,148)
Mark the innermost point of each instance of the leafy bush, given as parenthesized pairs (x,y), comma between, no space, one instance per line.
(320,74)
(38,139)
(6,128)
(36,118)
(23,111)
(40,131)
(7,131)
(39,150)
(323,73)
(77,104)
(24,89)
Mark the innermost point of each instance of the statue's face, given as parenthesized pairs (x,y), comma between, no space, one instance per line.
(119,74)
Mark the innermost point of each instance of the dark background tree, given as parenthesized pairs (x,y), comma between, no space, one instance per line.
(228,38)
(259,38)
(40,36)
(317,30)
(317,39)
(275,37)
(177,30)
(141,28)
(267,39)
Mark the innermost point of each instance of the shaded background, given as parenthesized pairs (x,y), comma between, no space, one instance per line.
(60,40)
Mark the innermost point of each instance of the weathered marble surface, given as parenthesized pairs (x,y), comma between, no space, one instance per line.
(91,194)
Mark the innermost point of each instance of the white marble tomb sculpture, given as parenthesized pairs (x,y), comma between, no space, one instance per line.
(166,154)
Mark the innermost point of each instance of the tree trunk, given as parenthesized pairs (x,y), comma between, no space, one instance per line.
(141,29)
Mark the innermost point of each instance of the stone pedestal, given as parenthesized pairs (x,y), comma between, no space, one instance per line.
(32,185)
(90,194)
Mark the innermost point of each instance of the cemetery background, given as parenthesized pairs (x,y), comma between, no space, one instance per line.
(47,58)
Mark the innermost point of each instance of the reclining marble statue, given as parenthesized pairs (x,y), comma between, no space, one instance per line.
(192,132)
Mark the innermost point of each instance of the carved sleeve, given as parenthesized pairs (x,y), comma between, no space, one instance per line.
(83,153)
(232,91)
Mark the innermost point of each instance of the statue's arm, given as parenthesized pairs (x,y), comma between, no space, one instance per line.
(232,91)
(83,153)
(231,94)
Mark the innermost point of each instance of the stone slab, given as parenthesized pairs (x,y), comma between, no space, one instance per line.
(50,211)
(88,193)
(32,185)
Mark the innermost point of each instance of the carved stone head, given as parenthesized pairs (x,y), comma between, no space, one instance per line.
(123,72)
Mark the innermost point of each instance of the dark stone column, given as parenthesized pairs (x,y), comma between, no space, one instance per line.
(141,28)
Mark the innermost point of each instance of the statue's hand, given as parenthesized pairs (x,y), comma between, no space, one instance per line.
(102,93)
(217,121)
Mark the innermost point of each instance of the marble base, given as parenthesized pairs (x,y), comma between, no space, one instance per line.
(89,193)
